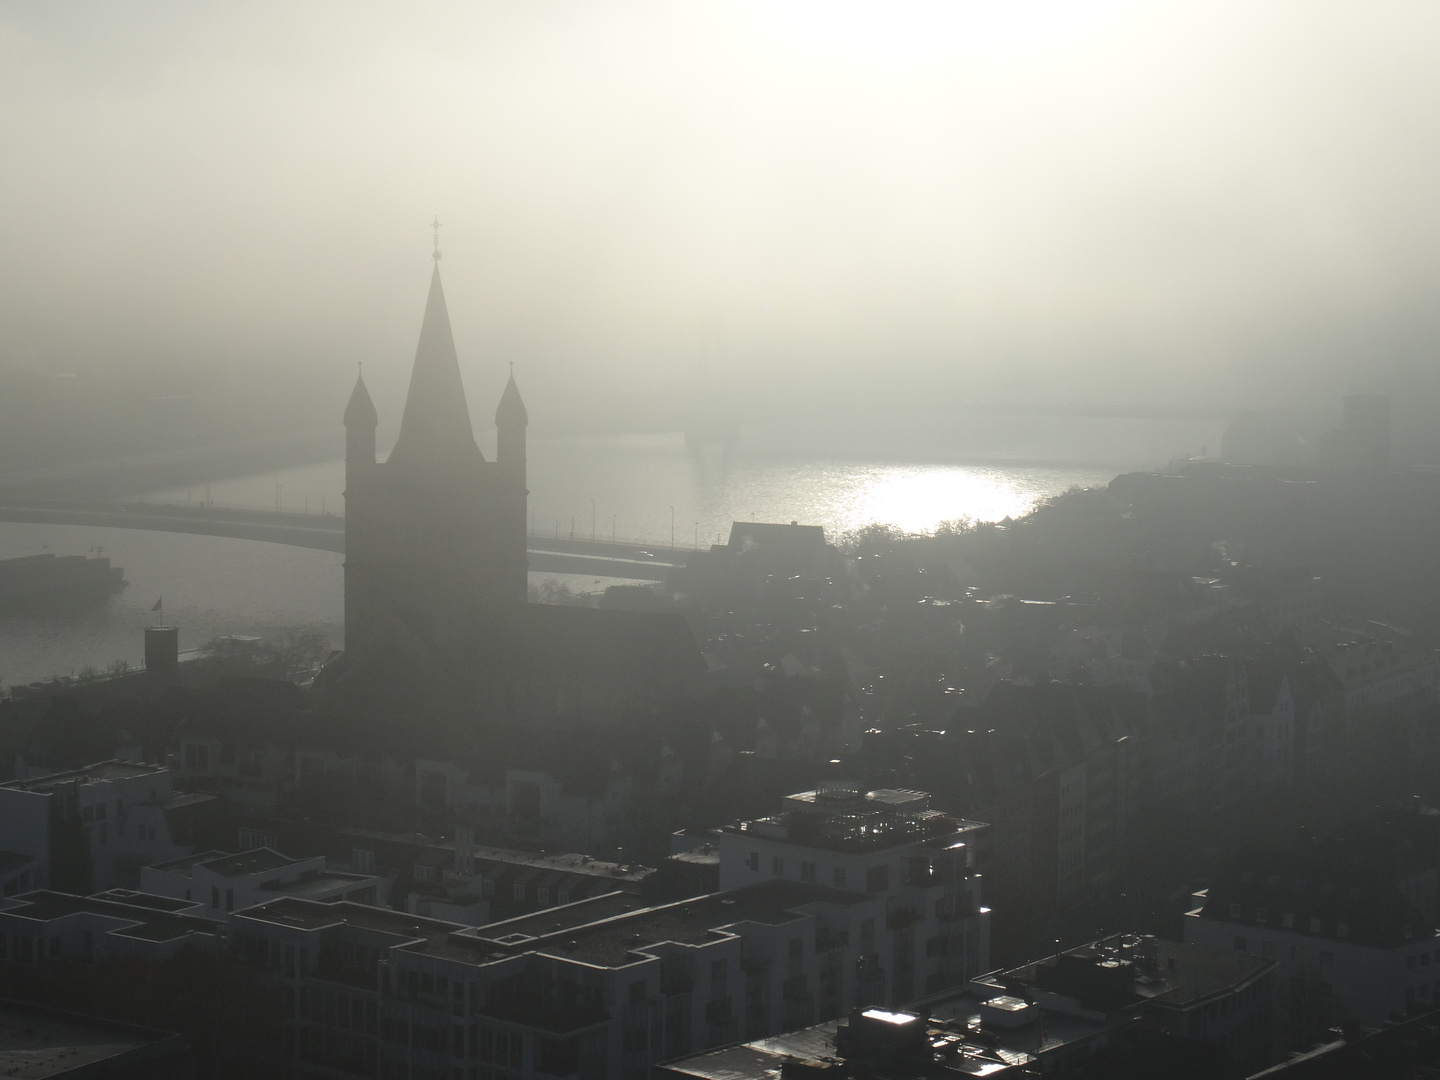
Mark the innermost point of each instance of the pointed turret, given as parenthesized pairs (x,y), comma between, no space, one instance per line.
(511,419)
(435,433)
(511,410)
(360,422)
(360,413)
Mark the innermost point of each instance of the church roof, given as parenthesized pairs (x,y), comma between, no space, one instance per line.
(435,431)
(511,410)
(361,410)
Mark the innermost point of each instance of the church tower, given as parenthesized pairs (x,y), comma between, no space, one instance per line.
(435,535)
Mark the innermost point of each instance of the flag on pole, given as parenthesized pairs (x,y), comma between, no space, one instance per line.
(158,605)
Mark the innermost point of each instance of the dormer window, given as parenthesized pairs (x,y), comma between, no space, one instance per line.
(1261,914)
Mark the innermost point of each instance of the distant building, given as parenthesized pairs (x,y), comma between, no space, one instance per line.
(95,827)
(1364,442)
(888,844)
(220,883)
(760,557)
(1373,673)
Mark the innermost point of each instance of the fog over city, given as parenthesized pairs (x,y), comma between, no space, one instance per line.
(720,540)
(1210,203)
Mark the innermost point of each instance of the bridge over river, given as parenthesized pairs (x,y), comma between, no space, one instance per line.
(326,532)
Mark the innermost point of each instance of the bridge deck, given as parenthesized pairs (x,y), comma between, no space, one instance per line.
(552,555)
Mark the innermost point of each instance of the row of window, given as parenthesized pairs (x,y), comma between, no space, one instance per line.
(877,878)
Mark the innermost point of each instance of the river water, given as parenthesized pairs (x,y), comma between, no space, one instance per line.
(638,488)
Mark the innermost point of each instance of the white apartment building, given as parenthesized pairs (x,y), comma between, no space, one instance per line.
(888,844)
(602,988)
(93,828)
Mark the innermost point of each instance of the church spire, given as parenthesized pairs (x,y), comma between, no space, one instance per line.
(435,431)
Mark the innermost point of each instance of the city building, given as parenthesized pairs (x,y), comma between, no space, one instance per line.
(888,844)
(1347,936)
(1089,1012)
(42,926)
(220,883)
(95,827)
(600,988)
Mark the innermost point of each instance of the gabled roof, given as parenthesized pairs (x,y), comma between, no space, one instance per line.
(435,431)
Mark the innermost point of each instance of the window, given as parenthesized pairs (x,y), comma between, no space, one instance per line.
(1267,950)
(777,866)
(719,970)
(1261,914)
(754,861)
(1315,924)
(877,879)
(1242,945)
(215,896)
(1234,910)
(1288,920)
(807,871)
(837,877)
(519,892)
(229,899)
(1342,929)
(563,896)
(542,895)
(797,948)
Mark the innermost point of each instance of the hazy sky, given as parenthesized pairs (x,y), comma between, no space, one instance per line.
(1102,200)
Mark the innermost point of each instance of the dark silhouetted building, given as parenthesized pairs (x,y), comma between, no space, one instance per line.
(435,533)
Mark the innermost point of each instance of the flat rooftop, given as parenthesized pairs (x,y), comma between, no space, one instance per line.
(100,771)
(570,862)
(132,920)
(609,942)
(256,861)
(317,915)
(36,1042)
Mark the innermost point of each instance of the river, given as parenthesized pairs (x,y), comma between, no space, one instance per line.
(631,487)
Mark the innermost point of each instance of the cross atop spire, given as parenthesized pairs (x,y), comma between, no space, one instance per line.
(436,226)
